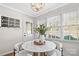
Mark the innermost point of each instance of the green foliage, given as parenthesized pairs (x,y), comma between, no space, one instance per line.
(41,29)
(69,37)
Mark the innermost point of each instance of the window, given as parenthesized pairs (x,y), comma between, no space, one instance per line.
(70,26)
(54,26)
(28,27)
(67,23)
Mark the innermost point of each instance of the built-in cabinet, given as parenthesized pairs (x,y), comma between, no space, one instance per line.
(10,22)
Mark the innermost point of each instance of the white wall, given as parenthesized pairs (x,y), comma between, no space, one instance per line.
(27,37)
(10,36)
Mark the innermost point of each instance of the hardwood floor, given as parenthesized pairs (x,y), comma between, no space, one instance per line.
(13,54)
(10,54)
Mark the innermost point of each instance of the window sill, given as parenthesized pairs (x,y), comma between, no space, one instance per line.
(69,41)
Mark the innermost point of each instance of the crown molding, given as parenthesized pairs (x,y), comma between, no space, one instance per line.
(17,10)
(45,14)
(29,15)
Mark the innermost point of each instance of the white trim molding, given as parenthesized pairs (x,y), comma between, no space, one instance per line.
(17,10)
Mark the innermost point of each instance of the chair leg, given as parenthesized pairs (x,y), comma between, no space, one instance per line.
(45,54)
(14,51)
(62,52)
(35,53)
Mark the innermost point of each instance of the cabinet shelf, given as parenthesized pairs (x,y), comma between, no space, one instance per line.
(10,22)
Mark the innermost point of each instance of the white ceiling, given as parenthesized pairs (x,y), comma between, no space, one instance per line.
(26,8)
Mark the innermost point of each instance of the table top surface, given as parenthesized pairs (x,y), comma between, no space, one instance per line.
(29,46)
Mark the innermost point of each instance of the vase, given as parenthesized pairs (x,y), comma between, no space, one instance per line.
(42,37)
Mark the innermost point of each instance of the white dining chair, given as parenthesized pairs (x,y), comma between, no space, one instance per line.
(18,47)
(56,53)
(19,51)
(23,53)
(59,46)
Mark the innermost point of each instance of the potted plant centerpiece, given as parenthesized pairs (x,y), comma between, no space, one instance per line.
(41,30)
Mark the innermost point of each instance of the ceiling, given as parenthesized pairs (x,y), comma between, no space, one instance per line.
(26,8)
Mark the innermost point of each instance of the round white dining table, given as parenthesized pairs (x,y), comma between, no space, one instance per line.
(29,46)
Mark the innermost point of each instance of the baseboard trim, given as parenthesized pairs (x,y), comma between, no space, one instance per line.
(3,54)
